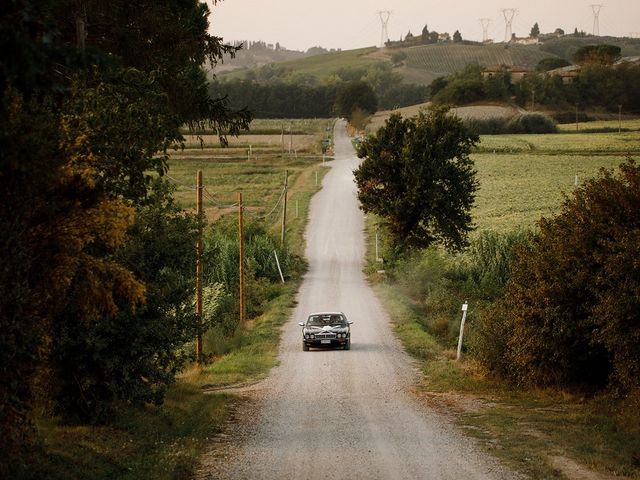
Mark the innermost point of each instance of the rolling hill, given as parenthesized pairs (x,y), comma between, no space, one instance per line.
(424,63)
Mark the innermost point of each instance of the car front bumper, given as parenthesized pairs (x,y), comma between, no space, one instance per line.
(326,343)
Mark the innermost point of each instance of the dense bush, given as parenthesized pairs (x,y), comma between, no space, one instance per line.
(523,123)
(569,314)
(533,122)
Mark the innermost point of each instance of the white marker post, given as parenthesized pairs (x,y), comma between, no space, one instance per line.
(465,306)
(278,264)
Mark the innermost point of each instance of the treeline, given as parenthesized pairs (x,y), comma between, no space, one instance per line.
(275,91)
(595,86)
(97,277)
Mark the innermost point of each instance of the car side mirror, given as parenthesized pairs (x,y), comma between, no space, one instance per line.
(301,324)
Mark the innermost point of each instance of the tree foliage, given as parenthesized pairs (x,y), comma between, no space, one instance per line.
(569,315)
(355,95)
(597,54)
(418,177)
(85,124)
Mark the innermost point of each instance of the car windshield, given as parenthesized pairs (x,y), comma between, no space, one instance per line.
(322,320)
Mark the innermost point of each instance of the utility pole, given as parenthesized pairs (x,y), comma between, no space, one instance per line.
(384,20)
(241,263)
(284,207)
(199,262)
(508,14)
(290,137)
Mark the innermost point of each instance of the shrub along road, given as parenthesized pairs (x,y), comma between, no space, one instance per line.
(344,414)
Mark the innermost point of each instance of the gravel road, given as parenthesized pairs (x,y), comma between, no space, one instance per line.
(339,414)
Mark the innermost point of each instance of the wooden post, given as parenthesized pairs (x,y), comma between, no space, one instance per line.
(199,262)
(619,118)
(241,265)
(284,208)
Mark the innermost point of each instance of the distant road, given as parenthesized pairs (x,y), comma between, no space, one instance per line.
(346,414)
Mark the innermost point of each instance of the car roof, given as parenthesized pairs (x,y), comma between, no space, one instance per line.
(326,313)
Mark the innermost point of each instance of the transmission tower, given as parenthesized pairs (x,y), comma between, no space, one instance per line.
(485,28)
(384,20)
(596,19)
(508,14)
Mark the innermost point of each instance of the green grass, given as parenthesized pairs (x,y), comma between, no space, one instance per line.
(523,177)
(517,189)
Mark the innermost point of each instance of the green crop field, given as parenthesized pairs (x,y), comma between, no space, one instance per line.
(523,177)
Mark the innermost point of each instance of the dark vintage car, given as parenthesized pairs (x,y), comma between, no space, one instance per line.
(326,329)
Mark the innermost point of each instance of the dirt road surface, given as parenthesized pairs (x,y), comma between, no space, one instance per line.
(327,414)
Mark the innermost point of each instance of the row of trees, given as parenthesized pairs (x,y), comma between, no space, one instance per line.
(277,92)
(596,86)
(97,270)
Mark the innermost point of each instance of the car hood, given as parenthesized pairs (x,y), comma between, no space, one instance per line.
(325,329)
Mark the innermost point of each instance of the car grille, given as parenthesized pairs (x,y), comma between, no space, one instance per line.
(325,336)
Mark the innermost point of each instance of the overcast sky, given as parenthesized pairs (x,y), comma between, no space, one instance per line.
(349,24)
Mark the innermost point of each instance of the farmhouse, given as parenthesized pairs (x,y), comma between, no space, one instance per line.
(517,73)
(567,74)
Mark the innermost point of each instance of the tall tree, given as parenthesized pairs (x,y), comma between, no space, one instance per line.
(535,31)
(355,95)
(91,92)
(418,177)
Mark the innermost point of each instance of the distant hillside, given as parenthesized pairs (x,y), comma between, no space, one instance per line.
(566,46)
(253,57)
(319,66)
(423,63)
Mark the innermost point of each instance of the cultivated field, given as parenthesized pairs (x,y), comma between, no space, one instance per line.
(253,164)
(449,58)
(524,176)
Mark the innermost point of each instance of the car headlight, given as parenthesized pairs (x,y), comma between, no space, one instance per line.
(312,336)
(306,335)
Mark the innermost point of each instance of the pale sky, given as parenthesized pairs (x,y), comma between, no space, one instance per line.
(349,24)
